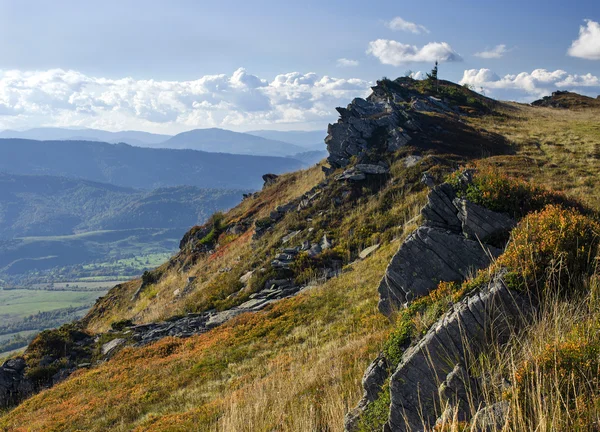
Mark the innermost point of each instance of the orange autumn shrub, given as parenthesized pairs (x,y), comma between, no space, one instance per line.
(552,247)
(565,371)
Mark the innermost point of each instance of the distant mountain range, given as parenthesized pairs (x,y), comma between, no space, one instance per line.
(136,138)
(138,167)
(258,143)
(57,206)
(224,141)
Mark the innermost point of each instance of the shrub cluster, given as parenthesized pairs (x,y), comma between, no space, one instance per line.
(554,247)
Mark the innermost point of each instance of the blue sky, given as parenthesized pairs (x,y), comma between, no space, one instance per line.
(172,66)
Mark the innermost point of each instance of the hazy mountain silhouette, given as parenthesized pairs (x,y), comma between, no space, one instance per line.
(225,141)
(138,167)
(137,138)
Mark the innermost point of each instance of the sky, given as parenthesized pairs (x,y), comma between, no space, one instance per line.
(171,66)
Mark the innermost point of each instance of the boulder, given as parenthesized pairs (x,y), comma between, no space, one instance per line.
(109,348)
(269,179)
(449,246)
(372,382)
(427,257)
(491,418)
(490,315)
(479,223)
(368,251)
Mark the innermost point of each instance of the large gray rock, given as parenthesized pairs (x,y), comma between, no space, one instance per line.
(427,257)
(491,418)
(449,246)
(14,385)
(489,316)
(365,126)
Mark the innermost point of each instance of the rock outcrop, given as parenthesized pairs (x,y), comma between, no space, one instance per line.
(449,246)
(376,124)
(14,385)
(490,315)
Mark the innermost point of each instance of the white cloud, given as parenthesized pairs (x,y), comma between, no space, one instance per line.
(344,62)
(395,53)
(241,100)
(587,46)
(528,86)
(418,75)
(497,52)
(400,24)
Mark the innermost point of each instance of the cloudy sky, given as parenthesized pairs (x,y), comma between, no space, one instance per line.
(170,66)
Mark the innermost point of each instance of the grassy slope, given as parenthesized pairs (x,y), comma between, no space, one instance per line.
(298,365)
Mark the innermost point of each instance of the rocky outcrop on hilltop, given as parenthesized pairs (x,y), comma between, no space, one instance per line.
(449,246)
(382,123)
(566,99)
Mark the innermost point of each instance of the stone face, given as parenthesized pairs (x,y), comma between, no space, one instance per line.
(14,386)
(479,223)
(461,334)
(449,246)
(427,257)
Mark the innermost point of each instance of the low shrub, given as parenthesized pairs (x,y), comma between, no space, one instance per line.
(554,247)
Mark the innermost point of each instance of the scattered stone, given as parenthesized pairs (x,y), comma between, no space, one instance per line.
(314,250)
(491,418)
(109,348)
(290,236)
(368,251)
(372,169)
(412,160)
(325,243)
(246,277)
(428,180)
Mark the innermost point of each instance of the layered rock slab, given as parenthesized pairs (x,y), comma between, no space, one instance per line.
(449,246)
(489,316)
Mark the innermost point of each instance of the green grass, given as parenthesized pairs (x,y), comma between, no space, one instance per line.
(15,304)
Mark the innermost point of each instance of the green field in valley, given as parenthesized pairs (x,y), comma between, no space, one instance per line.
(22,303)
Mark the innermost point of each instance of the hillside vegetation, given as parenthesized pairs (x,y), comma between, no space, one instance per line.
(297,364)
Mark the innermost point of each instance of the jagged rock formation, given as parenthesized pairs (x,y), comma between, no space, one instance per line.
(487,316)
(378,124)
(14,386)
(449,246)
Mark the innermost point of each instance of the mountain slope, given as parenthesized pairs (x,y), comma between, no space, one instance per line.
(298,363)
(224,141)
(144,168)
(312,140)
